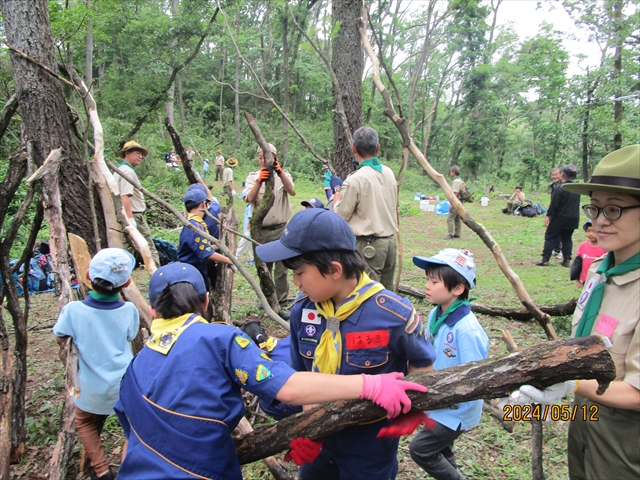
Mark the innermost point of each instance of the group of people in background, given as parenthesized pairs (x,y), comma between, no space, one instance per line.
(351,336)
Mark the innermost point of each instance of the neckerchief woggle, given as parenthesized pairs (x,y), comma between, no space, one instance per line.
(328,354)
(164,333)
(372,162)
(592,307)
(435,326)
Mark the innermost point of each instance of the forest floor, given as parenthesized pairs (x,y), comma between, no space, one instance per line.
(484,452)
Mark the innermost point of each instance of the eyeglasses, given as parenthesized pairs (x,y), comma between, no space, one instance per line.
(611,212)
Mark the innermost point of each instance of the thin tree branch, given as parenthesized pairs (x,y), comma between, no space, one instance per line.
(221,246)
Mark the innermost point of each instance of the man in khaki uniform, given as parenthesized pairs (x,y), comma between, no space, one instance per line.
(277,217)
(368,202)
(219,164)
(227,177)
(454,224)
(132,200)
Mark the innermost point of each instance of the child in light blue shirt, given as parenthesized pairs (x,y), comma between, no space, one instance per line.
(458,338)
(102,327)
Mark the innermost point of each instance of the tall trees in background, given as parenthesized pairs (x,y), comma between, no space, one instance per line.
(504,103)
(347,62)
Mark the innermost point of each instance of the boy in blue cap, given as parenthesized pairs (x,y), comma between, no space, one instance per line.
(458,338)
(194,249)
(102,327)
(181,397)
(345,323)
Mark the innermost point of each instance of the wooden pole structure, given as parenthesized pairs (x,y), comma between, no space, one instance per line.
(542,365)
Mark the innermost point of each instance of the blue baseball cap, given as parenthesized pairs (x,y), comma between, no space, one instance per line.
(113,265)
(311,230)
(171,274)
(195,196)
(460,260)
(197,186)
(313,203)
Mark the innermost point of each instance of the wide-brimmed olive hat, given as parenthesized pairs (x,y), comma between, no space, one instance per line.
(232,162)
(619,171)
(132,146)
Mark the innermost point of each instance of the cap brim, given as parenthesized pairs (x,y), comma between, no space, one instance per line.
(421,262)
(275,252)
(587,188)
(306,204)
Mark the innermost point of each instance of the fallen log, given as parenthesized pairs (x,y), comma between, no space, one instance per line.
(542,365)
(557,310)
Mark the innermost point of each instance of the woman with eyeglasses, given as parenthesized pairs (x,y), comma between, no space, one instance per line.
(604,436)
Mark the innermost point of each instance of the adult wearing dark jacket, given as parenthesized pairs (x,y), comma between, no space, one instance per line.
(563,217)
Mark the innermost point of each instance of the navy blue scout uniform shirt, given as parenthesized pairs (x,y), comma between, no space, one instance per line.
(194,249)
(379,337)
(191,401)
(212,225)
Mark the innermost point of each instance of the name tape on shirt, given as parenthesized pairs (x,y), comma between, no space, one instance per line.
(372,339)
(310,316)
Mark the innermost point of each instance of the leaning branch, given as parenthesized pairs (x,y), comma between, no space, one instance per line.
(223,248)
(407,142)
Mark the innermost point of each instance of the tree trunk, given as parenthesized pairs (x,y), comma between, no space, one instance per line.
(45,119)
(617,71)
(223,299)
(88,58)
(180,103)
(542,365)
(557,310)
(347,63)
(286,78)
(236,97)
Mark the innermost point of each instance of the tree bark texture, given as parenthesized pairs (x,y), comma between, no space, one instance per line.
(223,297)
(347,62)
(542,365)
(14,362)
(9,109)
(266,280)
(182,153)
(557,310)
(45,120)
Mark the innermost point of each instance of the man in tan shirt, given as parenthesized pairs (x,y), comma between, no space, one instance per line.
(454,223)
(368,201)
(132,155)
(277,217)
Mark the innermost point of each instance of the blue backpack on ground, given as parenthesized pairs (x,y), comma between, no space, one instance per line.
(443,207)
(167,251)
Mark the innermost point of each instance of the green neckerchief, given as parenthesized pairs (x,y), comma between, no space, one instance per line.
(435,326)
(371,162)
(125,163)
(592,307)
(104,297)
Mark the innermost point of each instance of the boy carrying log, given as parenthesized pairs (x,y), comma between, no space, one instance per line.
(344,323)
(458,338)
(102,327)
(181,397)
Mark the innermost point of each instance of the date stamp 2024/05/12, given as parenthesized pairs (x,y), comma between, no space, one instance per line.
(527,413)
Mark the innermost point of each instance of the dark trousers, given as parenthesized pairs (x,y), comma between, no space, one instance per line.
(432,450)
(555,234)
(355,454)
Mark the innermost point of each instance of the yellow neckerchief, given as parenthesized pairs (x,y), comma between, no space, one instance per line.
(165,332)
(198,218)
(329,351)
(269,345)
